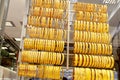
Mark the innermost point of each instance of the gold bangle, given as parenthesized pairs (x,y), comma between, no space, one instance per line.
(91,26)
(83,50)
(62,59)
(78,50)
(81,24)
(78,26)
(110,49)
(95,27)
(112,75)
(87,60)
(84,61)
(80,58)
(77,36)
(90,61)
(112,62)
(87,26)
(54,58)
(75,47)
(92,74)
(75,59)
(86,50)
(80,36)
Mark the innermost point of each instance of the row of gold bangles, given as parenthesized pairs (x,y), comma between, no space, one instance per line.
(92,74)
(93,61)
(47,33)
(85,36)
(58,4)
(92,16)
(40,71)
(42,57)
(46,45)
(49,72)
(27,70)
(78,6)
(44,22)
(47,12)
(92,48)
(91,26)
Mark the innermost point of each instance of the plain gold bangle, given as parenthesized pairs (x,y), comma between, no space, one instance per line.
(76,59)
(62,59)
(110,49)
(75,47)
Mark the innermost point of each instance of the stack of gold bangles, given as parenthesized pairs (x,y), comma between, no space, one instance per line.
(46,33)
(91,26)
(27,70)
(93,37)
(92,74)
(93,61)
(92,48)
(42,57)
(58,4)
(46,36)
(51,72)
(41,44)
(92,43)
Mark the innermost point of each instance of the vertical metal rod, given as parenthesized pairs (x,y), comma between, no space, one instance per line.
(68,34)
(4,5)
(23,33)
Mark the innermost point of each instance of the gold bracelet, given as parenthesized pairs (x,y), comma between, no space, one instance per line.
(78,27)
(87,26)
(110,49)
(84,61)
(75,59)
(75,47)
(87,60)
(83,50)
(87,49)
(90,61)
(77,34)
(112,75)
(62,59)
(92,74)
(112,62)
(81,24)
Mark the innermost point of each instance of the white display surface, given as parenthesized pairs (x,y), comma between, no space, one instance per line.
(7,74)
